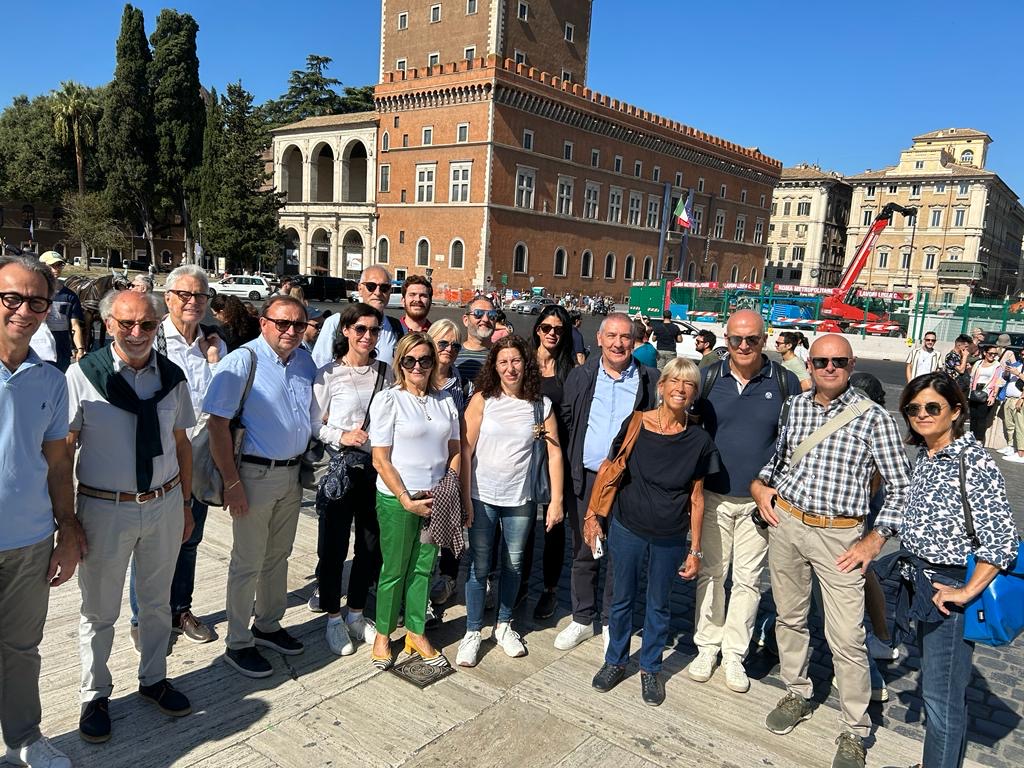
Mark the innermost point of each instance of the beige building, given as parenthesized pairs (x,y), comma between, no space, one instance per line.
(807,234)
(969,226)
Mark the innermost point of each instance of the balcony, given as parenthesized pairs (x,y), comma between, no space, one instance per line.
(956,271)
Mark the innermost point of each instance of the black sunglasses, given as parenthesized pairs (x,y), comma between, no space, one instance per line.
(374,287)
(409,362)
(752,341)
(558,330)
(37,304)
(453,345)
(146,326)
(491,314)
(822,362)
(362,330)
(932,409)
(187,296)
(283,325)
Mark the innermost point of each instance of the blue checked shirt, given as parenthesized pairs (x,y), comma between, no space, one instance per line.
(834,479)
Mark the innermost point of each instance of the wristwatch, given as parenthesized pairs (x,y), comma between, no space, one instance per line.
(188,503)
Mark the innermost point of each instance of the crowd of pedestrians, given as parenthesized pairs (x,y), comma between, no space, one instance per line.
(448,447)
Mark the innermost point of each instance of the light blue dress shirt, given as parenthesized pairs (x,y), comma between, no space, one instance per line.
(276,416)
(323,352)
(614,399)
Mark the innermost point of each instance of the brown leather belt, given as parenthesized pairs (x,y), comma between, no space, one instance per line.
(817,521)
(138,498)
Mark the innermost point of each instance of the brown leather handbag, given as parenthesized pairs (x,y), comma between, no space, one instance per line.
(609,475)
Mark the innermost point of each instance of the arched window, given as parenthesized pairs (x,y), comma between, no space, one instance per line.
(648,268)
(423,253)
(587,264)
(714,272)
(753,274)
(627,267)
(385,142)
(691,271)
(383,250)
(609,267)
(520,258)
(456,255)
(165,257)
(967,157)
(734,274)
(561,264)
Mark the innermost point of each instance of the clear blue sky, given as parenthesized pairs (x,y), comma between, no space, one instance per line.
(845,86)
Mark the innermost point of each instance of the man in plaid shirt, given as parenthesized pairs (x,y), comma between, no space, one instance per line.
(817,513)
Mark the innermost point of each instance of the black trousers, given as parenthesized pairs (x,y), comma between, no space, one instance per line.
(553,557)
(333,532)
(585,569)
(981,419)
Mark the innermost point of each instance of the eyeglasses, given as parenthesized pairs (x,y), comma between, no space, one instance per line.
(454,346)
(409,362)
(558,330)
(362,330)
(491,314)
(187,296)
(929,338)
(384,288)
(37,304)
(822,362)
(990,353)
(299,326)
(752,341)
(932,409)
(146,326)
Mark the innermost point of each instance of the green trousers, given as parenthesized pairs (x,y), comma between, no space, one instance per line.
(406,567)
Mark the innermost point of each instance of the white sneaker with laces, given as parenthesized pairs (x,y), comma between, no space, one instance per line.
(736,676)
(361,629)
(1006,451)
(574,634)
(338,639)
(314,602)
(509,640)
(469,649)
(881,650)
(39,754)
(703,666)
(1015,458)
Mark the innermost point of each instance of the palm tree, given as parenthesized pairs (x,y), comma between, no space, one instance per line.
(74,121)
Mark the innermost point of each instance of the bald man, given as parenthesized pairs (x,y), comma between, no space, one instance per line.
(816,508)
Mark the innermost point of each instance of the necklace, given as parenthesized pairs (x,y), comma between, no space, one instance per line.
(355,368)
(423,404)
(661,429)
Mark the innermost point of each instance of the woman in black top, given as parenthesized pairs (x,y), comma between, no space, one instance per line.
(237,324)
(552,341)
(660,499)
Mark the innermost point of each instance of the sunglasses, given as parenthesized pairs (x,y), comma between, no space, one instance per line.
(299,326)
(409,362)
(187,296)
(491,314)
(929,338)
(752,341)
(37,304)
(146,326)
(932,409)
(558,330)
(454,346)
(822,362)
(374,287)
(362,330)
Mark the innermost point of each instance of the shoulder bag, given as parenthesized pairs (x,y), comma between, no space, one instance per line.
(540,479)
(207,483)
(610,473)
(996,616)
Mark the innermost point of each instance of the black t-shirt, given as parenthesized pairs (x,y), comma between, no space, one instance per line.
(551,388)
(654,498)
(665,334)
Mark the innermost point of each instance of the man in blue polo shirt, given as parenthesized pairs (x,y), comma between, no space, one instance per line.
(36,490)
(740,405)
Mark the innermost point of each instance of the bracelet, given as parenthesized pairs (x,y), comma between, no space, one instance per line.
(405,493)
(697,553)
(228,488)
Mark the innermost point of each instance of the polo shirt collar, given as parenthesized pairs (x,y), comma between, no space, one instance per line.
(31,360)
(628,373)
(120,364)
(765,372)
(263,349)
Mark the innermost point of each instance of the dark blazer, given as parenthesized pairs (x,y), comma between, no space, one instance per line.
(577,396)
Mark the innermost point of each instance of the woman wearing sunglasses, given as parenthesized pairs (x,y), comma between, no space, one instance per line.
(415,432)
(933,530)
(501,427)
(448,339)
(342,394)
(986,380)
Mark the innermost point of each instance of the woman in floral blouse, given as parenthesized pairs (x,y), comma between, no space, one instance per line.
(934,531)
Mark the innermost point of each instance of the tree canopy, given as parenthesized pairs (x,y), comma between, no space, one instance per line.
(75,113)
(33,165)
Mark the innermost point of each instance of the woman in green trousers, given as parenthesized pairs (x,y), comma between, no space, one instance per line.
(414,431)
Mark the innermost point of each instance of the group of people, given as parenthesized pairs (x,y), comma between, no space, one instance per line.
(434,428)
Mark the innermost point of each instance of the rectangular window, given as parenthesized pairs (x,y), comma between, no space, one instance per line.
(435,13)
(425,183)
(595,158)
(786,208)
(936,219)
(958,217)
(698,219)
(868,217)
(459,191)
(635,203)
(910,221)
(758,232)
(566,76)
(782,253)
(524,11)
(567,150)
(462,133)
(722,191)
(679,178)
(940,187)
(617,164)
(615,205)
(433,59)
(700,184)
(761,203)
(656,174)
(893,189)
(919,164)
(520,57)
(962,189)
(653,205)
(775,209)
(870,191)
(785,229)
(385,178)
(638,168)
(470,7)
(743,195)
(403,200)
(929,261)
(798,252)
(719,224)
(591,201)
(469,53)
(883,259)
(428,136)
(525,181)
(741,229)
(403,20)
(905,260)
(915,190)
(396,118)
(564,202)
(405,139)
(528,140)
(803,209)
(400,65)
(570,32)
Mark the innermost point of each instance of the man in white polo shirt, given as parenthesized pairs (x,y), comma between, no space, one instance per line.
(923,360)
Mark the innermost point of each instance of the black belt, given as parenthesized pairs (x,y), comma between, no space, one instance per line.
(270,462)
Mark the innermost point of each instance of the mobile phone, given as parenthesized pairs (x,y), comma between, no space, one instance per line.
(598,548)
(419,495)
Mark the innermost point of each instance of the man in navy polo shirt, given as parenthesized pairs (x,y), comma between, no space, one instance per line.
(740,405)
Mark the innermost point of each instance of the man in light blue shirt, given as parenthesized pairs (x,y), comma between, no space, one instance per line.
(614,398)
(374,289)
(262,493)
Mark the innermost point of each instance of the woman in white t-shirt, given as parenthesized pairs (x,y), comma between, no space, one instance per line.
(414,430)
(500,432)
(342,394)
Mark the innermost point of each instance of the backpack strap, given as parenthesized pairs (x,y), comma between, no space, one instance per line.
(829,428)
(780,375)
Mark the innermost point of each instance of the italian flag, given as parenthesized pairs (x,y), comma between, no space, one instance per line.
(683,211)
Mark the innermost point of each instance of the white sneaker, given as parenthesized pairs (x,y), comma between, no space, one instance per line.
(1014,458)
(314,602)
(442,590)
(702,667)
(469,649)
(338,639)
(39,754)
(606,638)
(509,640)
(361,629)
(881,650)
(574,634)
(736,676)
(1006,451)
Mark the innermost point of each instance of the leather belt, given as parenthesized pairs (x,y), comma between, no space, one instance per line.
(270,462)
(138,498)
(817,521)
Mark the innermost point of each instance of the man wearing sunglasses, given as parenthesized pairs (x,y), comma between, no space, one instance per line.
(816,509)
(479,319)
(923,360)
(374,289)
(417,298)
(130,413)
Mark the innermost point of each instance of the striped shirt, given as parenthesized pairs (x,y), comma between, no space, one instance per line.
(834,479)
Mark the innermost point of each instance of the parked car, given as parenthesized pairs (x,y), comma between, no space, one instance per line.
(325,287)
(515,304)
(535,305)
(252,287)
(687,347)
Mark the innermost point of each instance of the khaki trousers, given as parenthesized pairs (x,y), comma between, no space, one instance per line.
(262,542)
(795,552)
(24,597)
(115,531)
(728,538)
(1013,418)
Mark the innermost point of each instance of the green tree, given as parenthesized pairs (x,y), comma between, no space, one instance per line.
(209,179)
(358,99)
(75,112)
(89,218)
(127,133)
(178,114)
(33,166)
(310,94)
(243,217)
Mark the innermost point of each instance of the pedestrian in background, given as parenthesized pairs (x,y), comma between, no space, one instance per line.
(924,359)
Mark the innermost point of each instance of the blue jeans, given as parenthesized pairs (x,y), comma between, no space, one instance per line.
(664,558)
(945,675)
(515,527)
(184,582)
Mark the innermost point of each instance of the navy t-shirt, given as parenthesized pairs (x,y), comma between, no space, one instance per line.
(665,334)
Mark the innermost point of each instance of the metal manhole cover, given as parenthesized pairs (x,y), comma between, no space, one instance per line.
(420,674)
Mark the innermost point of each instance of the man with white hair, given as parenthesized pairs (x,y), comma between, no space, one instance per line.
(374,289)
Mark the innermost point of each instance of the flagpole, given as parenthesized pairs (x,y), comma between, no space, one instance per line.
(666,198)
(707,237)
